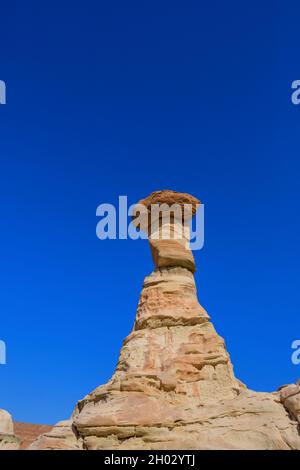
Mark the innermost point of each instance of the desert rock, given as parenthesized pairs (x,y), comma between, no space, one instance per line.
(174,385)
(28,432)
(8,441)
(290,397)
(60,437)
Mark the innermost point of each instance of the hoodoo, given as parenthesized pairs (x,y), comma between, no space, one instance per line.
(174,386)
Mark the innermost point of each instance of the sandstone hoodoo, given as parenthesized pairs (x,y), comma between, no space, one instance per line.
(174,386)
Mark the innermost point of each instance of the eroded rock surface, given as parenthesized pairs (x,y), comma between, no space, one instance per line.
(174,386)
(8,441)
(60,437)
(290,397)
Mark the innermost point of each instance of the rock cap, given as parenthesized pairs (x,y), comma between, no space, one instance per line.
(170,197)
(165,201)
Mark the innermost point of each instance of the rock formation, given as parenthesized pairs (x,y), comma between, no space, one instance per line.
(62,436)
(8,441)
(174,386)
(290,397)
(28,432)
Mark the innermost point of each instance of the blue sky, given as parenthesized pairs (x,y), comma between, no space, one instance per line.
(124,98)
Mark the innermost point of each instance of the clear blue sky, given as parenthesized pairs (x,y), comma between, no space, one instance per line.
(124,98)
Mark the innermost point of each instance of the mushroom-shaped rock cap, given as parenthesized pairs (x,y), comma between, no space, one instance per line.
(186,206)
(167,196)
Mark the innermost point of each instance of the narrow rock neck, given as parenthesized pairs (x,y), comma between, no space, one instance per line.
(169,298)
(169,246)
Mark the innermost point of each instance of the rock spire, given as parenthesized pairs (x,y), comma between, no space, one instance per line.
(174,386)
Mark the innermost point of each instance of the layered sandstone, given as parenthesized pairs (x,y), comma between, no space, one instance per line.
(62,436)
(174,386)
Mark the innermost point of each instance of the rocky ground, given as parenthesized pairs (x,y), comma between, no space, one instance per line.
(28,433)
